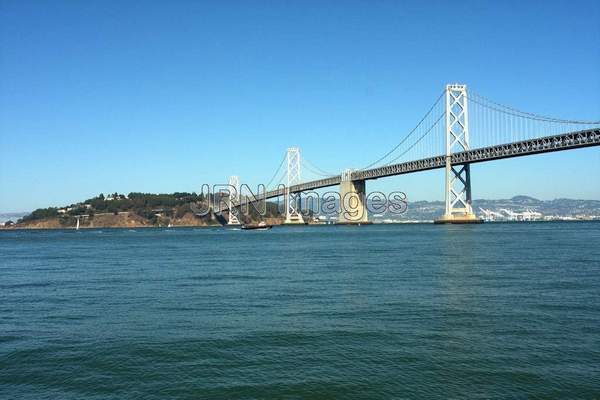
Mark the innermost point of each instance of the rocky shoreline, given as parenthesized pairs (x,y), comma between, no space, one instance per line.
(121,220)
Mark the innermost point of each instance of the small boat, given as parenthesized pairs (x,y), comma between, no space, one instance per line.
(261,226)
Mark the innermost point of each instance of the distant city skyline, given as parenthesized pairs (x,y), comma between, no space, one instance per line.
(110,97)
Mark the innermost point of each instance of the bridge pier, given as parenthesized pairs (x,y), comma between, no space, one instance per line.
(463,214)
(353,201)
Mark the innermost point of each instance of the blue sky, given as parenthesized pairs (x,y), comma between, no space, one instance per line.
(155,96)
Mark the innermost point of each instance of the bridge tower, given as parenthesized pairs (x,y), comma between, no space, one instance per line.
(234,198)
(458,178)
(292,200)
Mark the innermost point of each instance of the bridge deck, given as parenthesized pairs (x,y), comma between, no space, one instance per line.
(564,141)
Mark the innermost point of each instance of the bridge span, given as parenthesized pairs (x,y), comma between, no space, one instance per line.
(548,144)
(493,123)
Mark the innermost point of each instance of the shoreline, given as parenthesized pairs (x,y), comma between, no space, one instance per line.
(374,223)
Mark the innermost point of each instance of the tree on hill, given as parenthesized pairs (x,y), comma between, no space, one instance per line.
(146,205)
(41,213)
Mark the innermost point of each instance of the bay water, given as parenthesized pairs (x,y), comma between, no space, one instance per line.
(316,312)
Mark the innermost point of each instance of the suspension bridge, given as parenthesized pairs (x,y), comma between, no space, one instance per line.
(460,128)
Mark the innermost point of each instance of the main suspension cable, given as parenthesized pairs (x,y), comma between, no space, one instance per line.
(314,169)
(418,140)
(409,134)
(276,171)
(524,114)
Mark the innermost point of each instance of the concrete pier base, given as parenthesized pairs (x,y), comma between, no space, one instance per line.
(295,221)
(353,207)
(459,219)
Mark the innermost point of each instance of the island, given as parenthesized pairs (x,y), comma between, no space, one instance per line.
(134,210)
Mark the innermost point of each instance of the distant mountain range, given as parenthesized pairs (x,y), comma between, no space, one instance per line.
(429,210)
(14,216)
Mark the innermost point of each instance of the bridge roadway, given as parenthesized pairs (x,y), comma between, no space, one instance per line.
(564,141)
